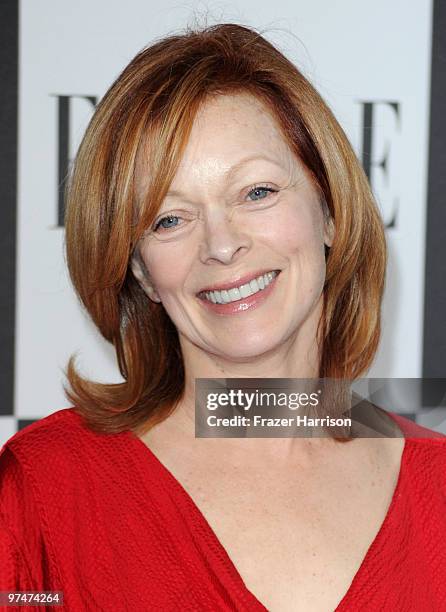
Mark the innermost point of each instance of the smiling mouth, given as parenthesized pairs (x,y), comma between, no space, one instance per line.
(226,296)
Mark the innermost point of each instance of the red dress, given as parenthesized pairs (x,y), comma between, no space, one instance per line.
(100,518)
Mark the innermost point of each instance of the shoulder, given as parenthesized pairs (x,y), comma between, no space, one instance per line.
(424,458)
(36,465)
(25,459)
(55,462)
(61,448)
(57,449)
(410,429)
(48,438)
(424,443)
(37,453)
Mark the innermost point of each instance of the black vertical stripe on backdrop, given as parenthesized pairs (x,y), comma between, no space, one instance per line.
(9,21)
(434,339)
(63,122)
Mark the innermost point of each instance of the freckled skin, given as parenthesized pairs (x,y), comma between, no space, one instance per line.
(300,503)
(222,233)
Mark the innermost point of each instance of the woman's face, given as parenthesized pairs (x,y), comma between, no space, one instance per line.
(240,205)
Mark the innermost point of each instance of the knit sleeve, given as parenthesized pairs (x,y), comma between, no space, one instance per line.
(23,556)
(14,570)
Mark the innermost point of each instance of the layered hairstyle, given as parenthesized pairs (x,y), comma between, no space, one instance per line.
(149,110)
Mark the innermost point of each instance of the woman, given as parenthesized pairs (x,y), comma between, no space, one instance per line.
(209,163)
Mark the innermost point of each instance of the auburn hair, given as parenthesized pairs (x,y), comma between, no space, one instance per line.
(154,100)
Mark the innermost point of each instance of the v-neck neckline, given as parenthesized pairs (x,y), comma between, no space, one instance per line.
(221,556)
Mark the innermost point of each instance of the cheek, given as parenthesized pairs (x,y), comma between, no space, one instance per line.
(297,229)
(167,265)
(298,235)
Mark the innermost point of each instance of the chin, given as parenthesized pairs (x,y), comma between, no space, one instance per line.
(245,350)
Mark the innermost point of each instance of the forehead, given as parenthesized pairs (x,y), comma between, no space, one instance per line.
(221,112)
(231,127)
(226,130)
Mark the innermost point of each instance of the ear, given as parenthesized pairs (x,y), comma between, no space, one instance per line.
(329,230)
(141,274)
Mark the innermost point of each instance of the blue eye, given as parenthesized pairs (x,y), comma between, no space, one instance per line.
(261,192)
(163,220)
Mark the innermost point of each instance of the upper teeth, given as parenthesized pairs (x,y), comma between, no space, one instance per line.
(237,293)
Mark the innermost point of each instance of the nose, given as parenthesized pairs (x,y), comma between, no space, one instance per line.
(222,241)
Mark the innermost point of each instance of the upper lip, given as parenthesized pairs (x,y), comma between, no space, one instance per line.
(239,280)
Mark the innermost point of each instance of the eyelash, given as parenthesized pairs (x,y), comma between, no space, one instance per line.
(261,188)
(168,217)
(253,188)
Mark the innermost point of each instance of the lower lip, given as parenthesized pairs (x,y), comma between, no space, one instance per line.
(244,304)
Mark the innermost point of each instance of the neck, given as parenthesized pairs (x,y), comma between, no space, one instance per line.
(297,357)
(291,360)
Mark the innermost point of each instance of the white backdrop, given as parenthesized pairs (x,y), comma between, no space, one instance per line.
(352,51)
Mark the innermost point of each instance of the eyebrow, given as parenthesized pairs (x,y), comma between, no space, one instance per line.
(233,170)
